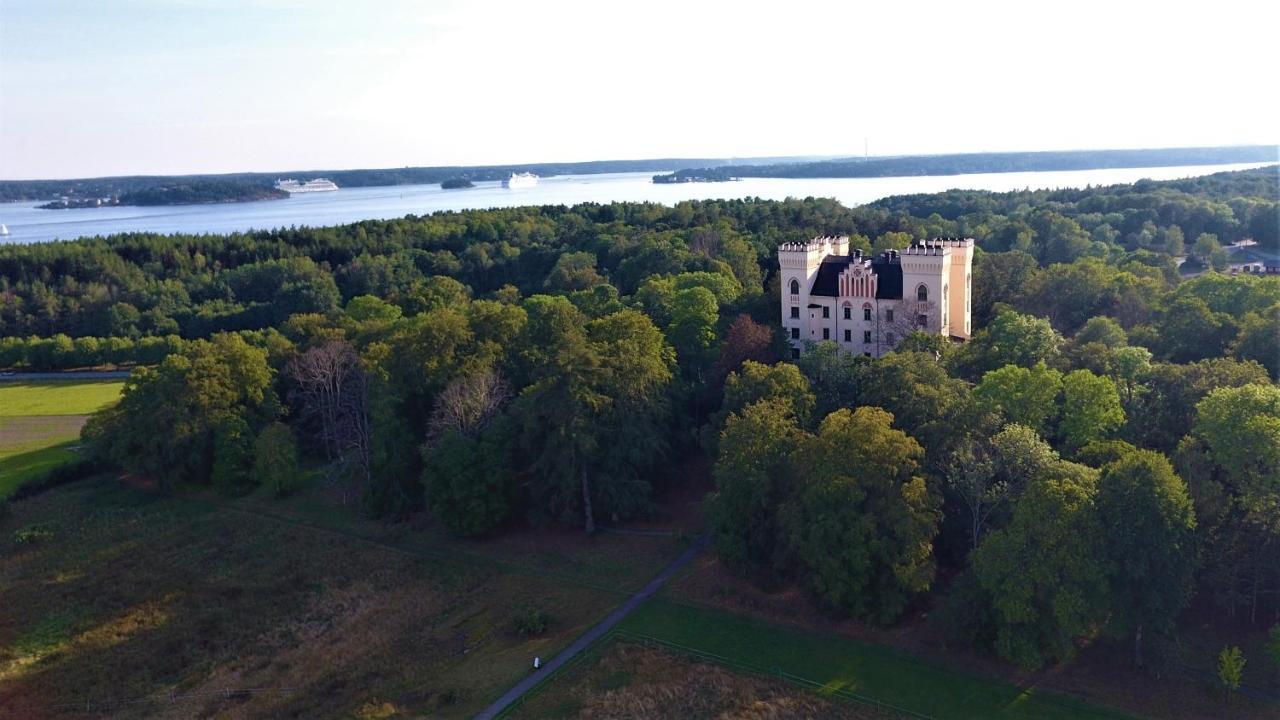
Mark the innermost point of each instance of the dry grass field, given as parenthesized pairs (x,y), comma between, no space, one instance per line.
(136,605)
(622,679)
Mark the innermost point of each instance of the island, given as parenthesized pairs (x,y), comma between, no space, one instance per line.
(194,192)
(716,174)
(456,183)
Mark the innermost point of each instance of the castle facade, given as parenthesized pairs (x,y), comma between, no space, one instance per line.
(867,304)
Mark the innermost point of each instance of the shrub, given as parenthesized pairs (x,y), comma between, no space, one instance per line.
(529,620)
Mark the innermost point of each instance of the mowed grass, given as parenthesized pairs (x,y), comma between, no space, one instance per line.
(57,397)
(125,595)
(840,664)
(40,424)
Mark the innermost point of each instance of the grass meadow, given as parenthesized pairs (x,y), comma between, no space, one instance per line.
(140,605)
(40,424)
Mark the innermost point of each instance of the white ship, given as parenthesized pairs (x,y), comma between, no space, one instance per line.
(520,180)
(4,230)
(317,185)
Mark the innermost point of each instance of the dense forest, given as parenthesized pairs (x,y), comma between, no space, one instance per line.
(1101,456)
(961,164)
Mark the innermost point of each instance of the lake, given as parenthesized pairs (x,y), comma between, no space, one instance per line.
(28,224)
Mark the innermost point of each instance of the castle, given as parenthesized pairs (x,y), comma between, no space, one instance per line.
(867,304)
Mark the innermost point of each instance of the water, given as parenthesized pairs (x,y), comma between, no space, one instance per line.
(28,224)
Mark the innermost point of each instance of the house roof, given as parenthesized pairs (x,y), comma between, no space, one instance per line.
(886,266)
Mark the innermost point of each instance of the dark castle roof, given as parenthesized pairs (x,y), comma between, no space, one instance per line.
(886,266)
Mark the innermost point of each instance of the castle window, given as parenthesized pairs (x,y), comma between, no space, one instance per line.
(867,354)
(795,333)
(848,336)
(888,315)
(826,333)
(795,286)
(795,311)
(795,353)
(922,294)
(826,312)
(866,314)
(848,313)
(866,337)
(922,320)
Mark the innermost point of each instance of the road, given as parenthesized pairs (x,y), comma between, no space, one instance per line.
(511,696)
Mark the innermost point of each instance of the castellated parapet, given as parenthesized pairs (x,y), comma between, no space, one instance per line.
(867,304)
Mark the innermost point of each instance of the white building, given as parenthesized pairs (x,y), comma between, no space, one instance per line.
(868,304)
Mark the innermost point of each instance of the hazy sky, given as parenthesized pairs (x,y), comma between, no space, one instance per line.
(176,86)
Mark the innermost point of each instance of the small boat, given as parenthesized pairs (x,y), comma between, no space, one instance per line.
(4,230)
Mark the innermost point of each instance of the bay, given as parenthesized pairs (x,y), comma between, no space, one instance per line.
(27,224)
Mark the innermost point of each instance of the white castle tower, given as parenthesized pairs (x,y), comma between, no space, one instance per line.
(868,304)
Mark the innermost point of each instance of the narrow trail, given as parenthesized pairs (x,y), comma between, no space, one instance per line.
(588,638)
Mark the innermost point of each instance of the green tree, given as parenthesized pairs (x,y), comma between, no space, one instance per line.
(862,521)
(1045,572)
(1272,647)
(1010,339)
(1241,426)
(751,484)
(1148,531)
(1231,664)
(470,485)
(1090,408)
(1259,339)
(232,471)
(275,459)
(757,381)
(1026,396)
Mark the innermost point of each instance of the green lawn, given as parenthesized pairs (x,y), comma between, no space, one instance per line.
(843,664)
(57,397)
(40,425)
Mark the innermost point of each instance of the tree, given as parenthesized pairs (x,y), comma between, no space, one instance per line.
(751,484)
(1044,572)
(468,404)
(756,381)
(999,277)
(331,392)
(1231,664)
(1205,245)
(1025,396)
(1241,426)
(275,459)
(232,470)
(745,340)
(1090,408)
(1272,647)
(165,421)
(1148,531)
(593,419)
(971,476)
(469,481)
(862,522)
(692,330)
(1259,339)
(1010,339)
(573,271)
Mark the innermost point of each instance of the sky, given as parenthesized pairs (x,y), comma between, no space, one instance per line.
(112,87)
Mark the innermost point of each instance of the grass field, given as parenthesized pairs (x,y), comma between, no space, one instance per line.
(622,679)
(846,665)
(40,422)
(112,594)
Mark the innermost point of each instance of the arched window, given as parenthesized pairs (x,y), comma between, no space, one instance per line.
(922,293)
(795,286)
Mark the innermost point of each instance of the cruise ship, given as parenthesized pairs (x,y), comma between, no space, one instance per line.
(520,180)
(317,185)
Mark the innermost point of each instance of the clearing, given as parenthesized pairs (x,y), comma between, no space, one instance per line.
(40,422)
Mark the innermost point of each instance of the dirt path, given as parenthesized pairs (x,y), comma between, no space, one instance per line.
(511,696)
